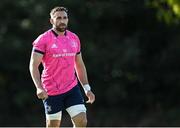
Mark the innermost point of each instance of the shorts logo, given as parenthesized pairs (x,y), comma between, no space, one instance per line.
(48,108)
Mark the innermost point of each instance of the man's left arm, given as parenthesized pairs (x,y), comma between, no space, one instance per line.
(82,76)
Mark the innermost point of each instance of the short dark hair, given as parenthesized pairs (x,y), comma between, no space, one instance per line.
(58,8)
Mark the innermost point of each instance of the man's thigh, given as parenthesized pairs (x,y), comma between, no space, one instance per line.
(74,102)
(53,106)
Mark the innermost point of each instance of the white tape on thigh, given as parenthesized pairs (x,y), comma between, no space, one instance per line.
(55,116)
(76,109)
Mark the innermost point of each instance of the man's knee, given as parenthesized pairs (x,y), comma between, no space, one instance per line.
(53,123)
(84,121)
(54,120)
(78,115)
(80,120)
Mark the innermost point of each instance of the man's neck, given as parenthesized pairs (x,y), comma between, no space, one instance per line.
(58,32)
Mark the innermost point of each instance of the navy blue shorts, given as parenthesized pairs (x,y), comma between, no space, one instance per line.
(54,104)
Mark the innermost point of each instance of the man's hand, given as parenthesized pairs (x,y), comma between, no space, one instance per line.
(91,97)
(41,93)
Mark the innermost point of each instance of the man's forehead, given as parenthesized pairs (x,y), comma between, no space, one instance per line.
(60,14)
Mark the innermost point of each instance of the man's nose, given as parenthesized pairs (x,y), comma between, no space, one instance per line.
(62,21)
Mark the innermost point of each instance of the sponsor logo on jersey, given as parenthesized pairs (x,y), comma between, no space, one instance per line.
(64,54)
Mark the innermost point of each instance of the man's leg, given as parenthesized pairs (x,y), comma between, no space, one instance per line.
(78,115)
(53,106)
(74,105)
(53,120)
(80,120)
(53,123)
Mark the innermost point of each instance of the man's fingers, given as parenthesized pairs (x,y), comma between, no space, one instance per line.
(42,96)
(91,97)
(91,100)
(88,101)
(45,96)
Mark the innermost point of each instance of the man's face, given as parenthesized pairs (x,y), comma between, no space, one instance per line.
(59,21)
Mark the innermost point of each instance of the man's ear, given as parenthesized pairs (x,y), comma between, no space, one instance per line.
(51,21)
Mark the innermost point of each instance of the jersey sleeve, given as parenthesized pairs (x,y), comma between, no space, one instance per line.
(39,45)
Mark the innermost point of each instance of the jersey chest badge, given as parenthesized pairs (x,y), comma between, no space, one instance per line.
(74,44)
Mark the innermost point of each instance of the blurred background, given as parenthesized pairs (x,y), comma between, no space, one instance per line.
(131,49)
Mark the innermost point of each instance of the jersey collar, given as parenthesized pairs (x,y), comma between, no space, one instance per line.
(56,35)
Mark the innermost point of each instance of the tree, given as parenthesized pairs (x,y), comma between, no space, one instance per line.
(167,10)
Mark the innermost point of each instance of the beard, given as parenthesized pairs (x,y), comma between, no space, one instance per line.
(61,27)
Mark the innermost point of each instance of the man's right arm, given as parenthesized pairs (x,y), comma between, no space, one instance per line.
(35,61)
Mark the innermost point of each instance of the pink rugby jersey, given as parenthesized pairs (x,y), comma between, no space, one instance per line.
(59,52)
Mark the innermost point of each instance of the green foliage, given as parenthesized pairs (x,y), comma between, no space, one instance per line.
(167,10)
